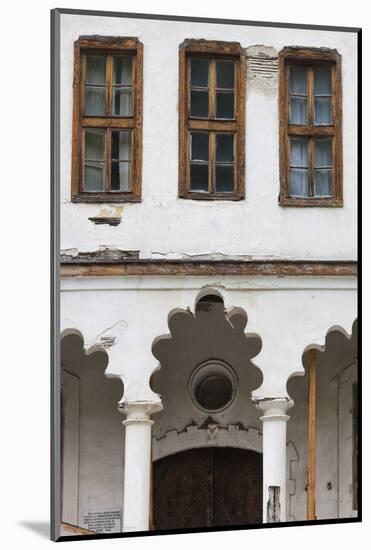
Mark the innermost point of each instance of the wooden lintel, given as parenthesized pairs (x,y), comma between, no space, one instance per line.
(143,267)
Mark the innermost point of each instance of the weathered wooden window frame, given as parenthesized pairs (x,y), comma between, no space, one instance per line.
(310,57)
(107,45)
(212,50)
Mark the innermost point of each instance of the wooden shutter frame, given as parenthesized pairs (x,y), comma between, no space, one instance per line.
(107,45)
(301,55)
(212,48)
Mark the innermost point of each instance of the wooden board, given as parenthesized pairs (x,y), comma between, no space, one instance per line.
(207,487)
(105,268)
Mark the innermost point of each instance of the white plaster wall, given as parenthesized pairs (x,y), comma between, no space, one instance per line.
(289,314)
(166,226)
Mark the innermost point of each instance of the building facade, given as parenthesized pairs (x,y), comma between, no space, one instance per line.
(208,273)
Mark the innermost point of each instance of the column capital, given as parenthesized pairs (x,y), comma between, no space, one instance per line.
(274,408)
(139,411)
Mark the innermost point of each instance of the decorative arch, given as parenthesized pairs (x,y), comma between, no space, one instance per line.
(208,335)
(209,435)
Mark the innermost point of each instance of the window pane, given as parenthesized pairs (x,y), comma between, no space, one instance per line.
(94,176)
(322,110)
(323,183)
(224,148)
(199,177)
(96,69)
(200,72)
(224,178)
(322,81)
(299,152)
(199,104)
(298,110)
(323,153)
(120,176)
(298,80)
(120,145)
(94,144)
(122,70)
(225,105)
(225,74)
(95,101)
(122,102)
(298,183)
(199,146)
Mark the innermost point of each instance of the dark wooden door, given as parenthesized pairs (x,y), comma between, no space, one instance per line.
(207,487)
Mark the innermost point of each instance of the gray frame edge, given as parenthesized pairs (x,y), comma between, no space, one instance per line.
(194,19)
(55,399)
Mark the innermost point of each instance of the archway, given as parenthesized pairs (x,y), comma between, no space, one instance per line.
(205,380)
(91,478)
(323,427)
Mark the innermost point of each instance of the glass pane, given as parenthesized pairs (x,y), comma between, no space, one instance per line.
(200,72)
(322,110)
(95,101)
(94,176)
(199,104)
(199,177)
(225,74)
(225,105)
(95,69)
(322,81)
(94,144)
(298,183)
(298,110)
(323,183)
(120,145)
(122,102)
(299,152)
(323,153)
(120,176)
(298,80)
(224,148)
(122,70)
(224,178)
(199,146)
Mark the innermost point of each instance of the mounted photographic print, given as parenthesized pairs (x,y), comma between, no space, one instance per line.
(205,372)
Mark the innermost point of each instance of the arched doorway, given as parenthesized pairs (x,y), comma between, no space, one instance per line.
(207,487)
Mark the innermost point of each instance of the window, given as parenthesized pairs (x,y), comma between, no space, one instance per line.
(212,120)
(310,127)
(107,120)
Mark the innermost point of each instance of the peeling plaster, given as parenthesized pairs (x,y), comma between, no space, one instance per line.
(262,69)
(103,254)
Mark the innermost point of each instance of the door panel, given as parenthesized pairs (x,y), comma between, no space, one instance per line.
(207,487)
(237,487)
(182,490)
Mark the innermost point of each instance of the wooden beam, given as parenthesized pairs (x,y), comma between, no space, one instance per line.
(75,530)
(312,390)
(82,267)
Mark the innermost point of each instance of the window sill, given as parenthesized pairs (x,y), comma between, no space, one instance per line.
(325,202)
(105,197)
(209,197)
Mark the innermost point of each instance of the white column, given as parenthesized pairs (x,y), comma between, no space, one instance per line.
(274,421)
(137,472)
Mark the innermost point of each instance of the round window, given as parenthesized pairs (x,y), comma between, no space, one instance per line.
(213,386)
